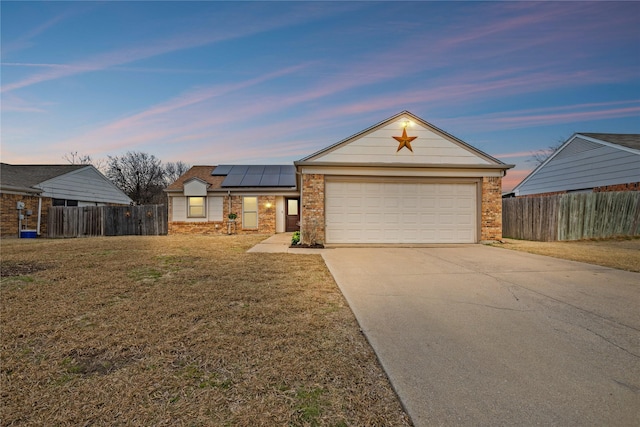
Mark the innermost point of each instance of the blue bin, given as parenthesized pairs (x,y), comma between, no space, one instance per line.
(28,234)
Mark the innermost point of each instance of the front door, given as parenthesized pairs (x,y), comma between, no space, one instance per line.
(292,215)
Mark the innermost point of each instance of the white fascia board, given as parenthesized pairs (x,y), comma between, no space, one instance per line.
(403,171)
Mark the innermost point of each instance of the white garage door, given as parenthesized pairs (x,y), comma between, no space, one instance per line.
(400,212)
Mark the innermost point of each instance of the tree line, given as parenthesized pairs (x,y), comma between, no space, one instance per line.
(141,176)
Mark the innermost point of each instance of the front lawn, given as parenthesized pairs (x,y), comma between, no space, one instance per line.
(622,253)
(181,330)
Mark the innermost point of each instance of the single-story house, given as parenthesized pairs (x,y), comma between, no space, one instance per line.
(27,192)
(587,162)
(402,180)
(265,199)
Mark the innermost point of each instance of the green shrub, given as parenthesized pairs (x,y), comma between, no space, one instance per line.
(295,239)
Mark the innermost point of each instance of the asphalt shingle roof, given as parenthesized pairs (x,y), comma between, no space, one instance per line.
(28,176)
(629,140)
(200,172)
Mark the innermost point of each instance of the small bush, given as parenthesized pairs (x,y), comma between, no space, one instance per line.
(295,239)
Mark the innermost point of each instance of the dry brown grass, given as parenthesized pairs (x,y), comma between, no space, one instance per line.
(181,331)
(623,253)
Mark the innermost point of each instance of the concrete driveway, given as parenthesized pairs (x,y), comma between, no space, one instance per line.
(476,335)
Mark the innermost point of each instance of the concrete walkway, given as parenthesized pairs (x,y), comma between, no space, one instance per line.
(476,335)
(280,243)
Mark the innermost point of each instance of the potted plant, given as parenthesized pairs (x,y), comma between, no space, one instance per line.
(232,216)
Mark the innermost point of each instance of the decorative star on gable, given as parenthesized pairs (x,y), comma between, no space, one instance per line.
(404,140)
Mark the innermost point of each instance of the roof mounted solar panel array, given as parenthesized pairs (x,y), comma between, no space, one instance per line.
(256,175)
(221,170)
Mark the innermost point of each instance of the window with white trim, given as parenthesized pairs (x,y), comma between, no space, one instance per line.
(196,207)
(250,212)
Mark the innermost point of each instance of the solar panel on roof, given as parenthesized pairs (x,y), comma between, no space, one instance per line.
(221,170)
(258,175)
(238,170)
(232,181)
(272,169)
(287,180)
(256,170)
(250,180)
(269,180)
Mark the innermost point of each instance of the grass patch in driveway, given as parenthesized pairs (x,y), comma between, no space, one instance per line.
(181,330)
(623,253)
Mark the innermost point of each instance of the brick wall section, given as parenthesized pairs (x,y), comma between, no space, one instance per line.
(491,211)
(632,186)
(552,193)
(266,219)
(9,214)
(197,228)
(312,219)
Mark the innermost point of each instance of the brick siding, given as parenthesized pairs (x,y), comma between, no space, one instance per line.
(266,219)
(9,213)
(551,193)
(491,210)
(312,219)
(632,186)
(179,227)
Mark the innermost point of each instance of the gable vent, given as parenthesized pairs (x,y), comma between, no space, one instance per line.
(578,145)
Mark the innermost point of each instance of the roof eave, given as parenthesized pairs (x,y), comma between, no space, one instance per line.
(265,190)
(30,190)
(501,166)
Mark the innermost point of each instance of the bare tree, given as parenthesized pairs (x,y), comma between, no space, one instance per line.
(77,159)
(84,159)
(139,175)
(540,156)
(173,171)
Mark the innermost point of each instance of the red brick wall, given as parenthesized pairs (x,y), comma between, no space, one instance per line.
(266,219)
(177,227)
(9,214)
(632,186)
(312,219)
(552,193)
(491,210)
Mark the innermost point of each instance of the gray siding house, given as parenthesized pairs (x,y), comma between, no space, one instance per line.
(37,187)
(587,162)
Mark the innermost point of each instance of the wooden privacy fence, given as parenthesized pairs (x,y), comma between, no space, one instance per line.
(572,216)
(146,220)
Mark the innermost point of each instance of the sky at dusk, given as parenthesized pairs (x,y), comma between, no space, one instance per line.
(272,82)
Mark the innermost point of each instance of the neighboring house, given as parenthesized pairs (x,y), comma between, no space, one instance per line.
(400,181)
(587,162)
(40,186)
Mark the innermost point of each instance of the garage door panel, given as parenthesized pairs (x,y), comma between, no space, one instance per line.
(393,212)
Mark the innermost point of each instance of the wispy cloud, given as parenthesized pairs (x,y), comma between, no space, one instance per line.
(553,115)
(192,39)
(578,116)
(173,118)
(15,104)
(26,40)
(518,154)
